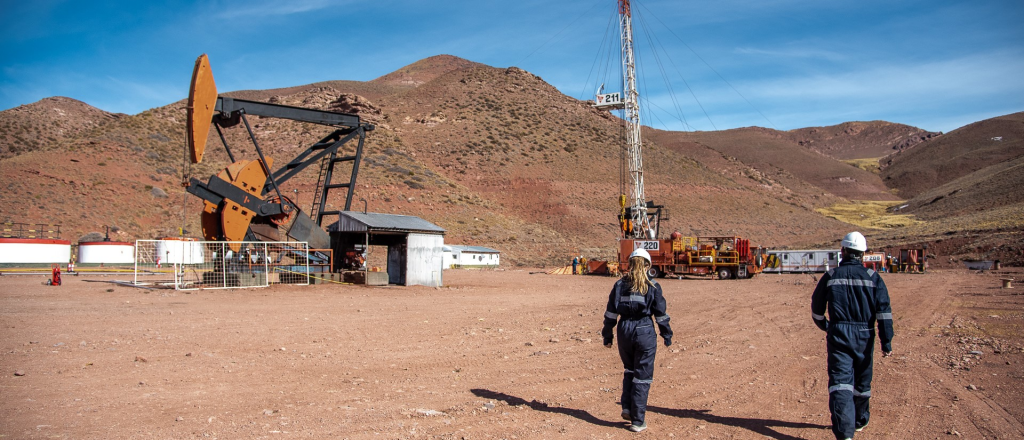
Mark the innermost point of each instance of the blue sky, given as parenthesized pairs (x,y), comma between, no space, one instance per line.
(934,64)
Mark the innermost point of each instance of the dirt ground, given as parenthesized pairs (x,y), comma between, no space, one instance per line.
(492,355)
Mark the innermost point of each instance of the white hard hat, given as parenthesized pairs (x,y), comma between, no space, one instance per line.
(855,240)
(641,252)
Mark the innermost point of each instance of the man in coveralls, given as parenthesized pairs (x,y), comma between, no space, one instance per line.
(636,298)
(855,298)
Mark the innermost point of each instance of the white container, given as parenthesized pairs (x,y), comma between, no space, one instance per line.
(106,252)
(179,251)
(34,250)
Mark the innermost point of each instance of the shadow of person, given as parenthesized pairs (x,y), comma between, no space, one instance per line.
(540,406)
(760,426)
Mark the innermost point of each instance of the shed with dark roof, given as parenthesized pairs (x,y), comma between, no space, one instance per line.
(414,245)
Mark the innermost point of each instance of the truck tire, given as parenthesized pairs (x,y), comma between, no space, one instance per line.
(653,272)
(724,273)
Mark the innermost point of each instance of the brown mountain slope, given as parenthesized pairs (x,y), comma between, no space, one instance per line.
(33,126)
(497,157)
(425,70)
(772,153)
(989,188)
(956,154)
(557,164)
(860,140)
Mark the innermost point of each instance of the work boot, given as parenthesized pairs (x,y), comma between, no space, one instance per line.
(637,428)
(625,414)
(861,427)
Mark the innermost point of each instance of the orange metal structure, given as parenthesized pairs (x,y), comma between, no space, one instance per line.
(912,261)
(202,99)
(724,257)
(244,202)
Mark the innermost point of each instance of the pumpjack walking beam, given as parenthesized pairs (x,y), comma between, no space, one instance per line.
(237,199)
(232,111)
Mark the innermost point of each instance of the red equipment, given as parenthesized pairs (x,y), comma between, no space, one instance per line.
(726,257)
(55,280)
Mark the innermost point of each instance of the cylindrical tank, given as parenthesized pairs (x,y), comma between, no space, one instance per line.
(35,250)
(106,252)
(179,251)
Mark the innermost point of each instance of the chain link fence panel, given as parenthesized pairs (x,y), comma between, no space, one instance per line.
(193,264)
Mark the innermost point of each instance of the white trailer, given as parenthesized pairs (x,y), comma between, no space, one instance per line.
(801,261)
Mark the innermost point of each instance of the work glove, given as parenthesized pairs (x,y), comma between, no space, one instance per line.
(608,343)
(668,342)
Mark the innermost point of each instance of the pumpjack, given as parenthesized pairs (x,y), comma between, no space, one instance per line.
(244,202)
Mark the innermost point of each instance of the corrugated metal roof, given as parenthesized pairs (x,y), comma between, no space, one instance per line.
(477,249)
(355,221)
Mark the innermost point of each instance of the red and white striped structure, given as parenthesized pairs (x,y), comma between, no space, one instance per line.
(34,251)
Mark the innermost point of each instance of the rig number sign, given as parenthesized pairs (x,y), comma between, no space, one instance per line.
(609,98)
(652,245)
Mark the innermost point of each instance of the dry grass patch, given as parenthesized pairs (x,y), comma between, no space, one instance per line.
(870,164)
(869,214)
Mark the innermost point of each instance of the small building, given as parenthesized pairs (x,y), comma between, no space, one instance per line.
(414,246)
(457,256)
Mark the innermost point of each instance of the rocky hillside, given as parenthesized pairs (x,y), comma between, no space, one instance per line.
(963,151)
(773,153)
(46,122)
(497,157)
(860,140)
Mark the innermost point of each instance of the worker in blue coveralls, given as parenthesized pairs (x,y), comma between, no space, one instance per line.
(855,298)
(634,299)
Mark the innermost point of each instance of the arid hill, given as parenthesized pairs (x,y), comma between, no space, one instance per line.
(425,70)
(30,127)
(497,157)
(958,153)
(773,153)
(860,140)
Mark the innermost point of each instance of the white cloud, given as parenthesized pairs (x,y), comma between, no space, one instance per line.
(975,75)
(271,8)
(794,53)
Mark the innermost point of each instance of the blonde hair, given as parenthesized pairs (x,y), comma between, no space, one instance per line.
(637,275)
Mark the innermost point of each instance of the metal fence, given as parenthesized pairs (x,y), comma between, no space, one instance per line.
(214,265)
(29,230)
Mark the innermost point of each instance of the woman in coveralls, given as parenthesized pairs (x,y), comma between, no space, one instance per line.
(636,298)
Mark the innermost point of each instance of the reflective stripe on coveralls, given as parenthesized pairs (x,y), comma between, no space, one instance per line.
(864,283)
(847,387)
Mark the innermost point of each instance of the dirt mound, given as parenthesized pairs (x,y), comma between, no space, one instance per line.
(31,127)
(860,140)
(956,154)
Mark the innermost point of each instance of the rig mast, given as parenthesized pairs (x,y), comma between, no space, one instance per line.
(637,214)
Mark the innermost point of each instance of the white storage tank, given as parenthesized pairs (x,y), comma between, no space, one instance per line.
(106,252)
(179,251)
(34,250)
